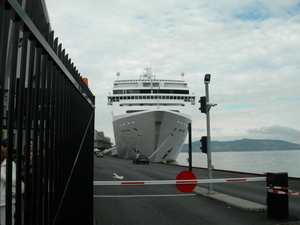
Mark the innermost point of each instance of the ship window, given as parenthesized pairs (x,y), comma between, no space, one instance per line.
(136,97)
(140,97)
(145,91)
(117,92)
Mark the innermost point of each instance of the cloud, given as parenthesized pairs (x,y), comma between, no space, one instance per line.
(233,107)
(250,48)
(278,132)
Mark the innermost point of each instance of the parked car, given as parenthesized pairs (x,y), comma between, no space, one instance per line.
(143,158)
(114,153)
(99,154)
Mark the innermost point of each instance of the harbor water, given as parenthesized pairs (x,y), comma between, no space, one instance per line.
(251,162)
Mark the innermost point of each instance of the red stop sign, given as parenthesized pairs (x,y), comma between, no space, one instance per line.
(183,186)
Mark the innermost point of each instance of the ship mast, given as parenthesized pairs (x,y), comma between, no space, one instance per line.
(147,73)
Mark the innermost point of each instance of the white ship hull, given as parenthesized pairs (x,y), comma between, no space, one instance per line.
(158,133)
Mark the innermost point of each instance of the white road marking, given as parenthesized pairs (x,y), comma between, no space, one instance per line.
(117,176)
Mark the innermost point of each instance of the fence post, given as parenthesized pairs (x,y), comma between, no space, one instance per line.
(278,204)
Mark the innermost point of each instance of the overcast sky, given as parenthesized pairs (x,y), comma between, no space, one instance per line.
(250,48)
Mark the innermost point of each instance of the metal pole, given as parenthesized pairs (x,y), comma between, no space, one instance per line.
(190,147)
(210,191)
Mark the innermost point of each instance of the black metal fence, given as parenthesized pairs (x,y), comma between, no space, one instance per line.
(48,122)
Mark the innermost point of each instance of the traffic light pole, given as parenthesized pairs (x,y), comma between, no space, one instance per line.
(209,169)
(205,106)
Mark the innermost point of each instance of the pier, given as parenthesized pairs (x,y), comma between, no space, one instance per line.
(232,203)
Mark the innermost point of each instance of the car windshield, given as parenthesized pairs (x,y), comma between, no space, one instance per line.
(143,156)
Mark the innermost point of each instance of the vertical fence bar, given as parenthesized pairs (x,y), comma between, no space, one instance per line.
(4,27)
(13,49)
(20,108)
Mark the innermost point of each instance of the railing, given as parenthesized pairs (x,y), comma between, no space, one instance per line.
(48,121)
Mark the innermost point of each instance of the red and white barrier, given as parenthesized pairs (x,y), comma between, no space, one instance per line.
(197,181)
(271,189)
(276,190)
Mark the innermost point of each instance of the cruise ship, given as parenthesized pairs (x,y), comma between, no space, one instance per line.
(151,116)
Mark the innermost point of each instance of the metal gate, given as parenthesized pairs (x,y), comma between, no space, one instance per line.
(48,122)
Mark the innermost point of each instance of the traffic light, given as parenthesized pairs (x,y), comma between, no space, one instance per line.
(202,102)
(204,144)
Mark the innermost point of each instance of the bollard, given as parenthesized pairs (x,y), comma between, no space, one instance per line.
(278,204)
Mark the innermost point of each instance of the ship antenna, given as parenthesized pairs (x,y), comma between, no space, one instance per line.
(118,74)
(182,74)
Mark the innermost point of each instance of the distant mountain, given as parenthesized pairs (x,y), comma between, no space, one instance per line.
(244,145)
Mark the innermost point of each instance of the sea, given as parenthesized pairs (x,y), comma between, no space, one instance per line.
(257,162)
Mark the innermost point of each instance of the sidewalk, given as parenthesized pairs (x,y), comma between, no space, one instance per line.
(231,201)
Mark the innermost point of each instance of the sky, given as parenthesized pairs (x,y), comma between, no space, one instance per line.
(250,48)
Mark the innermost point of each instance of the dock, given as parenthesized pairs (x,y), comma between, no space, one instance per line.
(238,203)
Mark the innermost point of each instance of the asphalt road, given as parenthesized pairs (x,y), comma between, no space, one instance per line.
(164,204)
